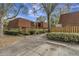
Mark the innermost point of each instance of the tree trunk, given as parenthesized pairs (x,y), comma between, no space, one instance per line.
(1,27)
(49,22)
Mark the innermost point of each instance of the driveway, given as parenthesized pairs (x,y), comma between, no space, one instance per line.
(38,45)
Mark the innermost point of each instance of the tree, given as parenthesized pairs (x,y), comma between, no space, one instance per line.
(60,9)
(3,10)
(54,19)
(48,8)
(41,19)
(6,10)
(65,8)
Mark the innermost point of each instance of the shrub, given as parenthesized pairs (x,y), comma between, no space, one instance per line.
(29,32)
(40,31)
(11,33)
(65,37)
(32,32)
(26,33)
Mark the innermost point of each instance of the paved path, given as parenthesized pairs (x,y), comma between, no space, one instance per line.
(38,45)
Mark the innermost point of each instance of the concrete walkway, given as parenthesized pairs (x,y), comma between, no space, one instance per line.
(38,45)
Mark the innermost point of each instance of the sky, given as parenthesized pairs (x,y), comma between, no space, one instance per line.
(31,16)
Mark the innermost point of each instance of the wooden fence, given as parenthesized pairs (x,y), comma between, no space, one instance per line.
(71,29)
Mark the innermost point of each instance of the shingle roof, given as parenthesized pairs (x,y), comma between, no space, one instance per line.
(23,19)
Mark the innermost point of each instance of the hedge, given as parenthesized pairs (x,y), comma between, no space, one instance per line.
(30,32)
(11,33)
(65,37)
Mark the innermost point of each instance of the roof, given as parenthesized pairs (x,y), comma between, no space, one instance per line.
(22,19)
(70,13)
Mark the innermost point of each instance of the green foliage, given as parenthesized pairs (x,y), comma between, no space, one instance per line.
(11,33)
(25,33)
(41,19)
(32,32)
(65,37)
(29,32)
(40,31)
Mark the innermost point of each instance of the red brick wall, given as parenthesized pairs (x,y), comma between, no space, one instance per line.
(70,19)
(24,23)
(19,22)
(13,24)
(42,25)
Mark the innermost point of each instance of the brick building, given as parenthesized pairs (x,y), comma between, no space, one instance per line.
(41,25)
(69,19)
(20,23)
(24,24)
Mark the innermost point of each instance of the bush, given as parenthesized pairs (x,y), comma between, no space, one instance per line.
(26,33)
(15,33)
(32,32)
(65,37)
(29,32)
(11,33)
(40,31)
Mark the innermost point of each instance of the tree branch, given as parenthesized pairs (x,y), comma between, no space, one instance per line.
(15,14)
